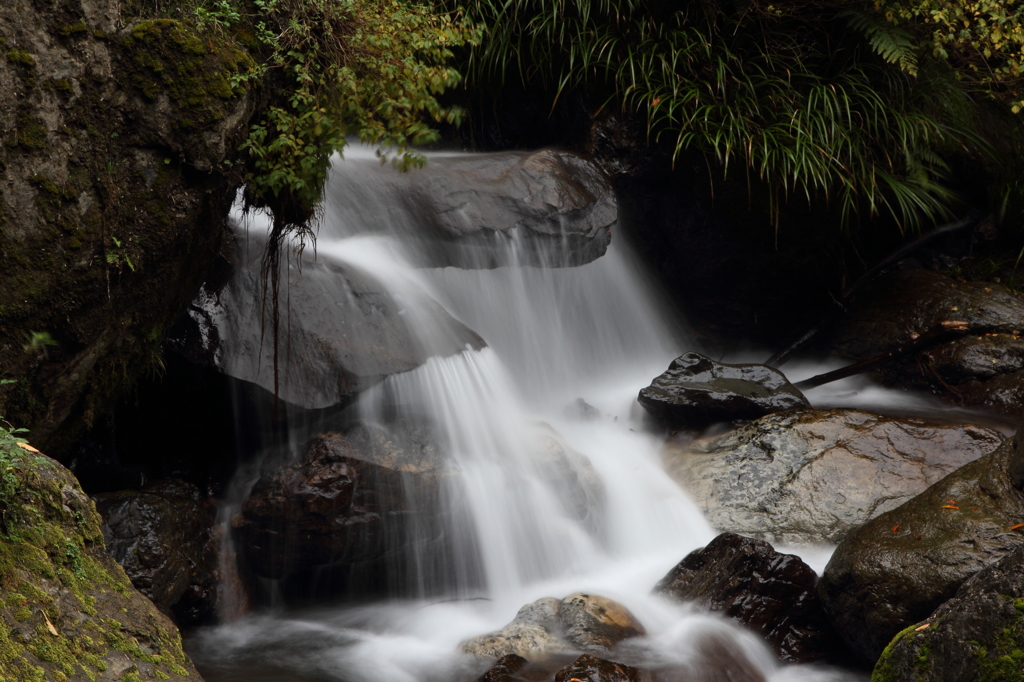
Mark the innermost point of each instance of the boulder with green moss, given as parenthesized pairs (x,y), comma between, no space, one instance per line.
(976,636)
(67,609)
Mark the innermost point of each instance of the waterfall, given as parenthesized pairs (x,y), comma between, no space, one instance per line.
(554,485)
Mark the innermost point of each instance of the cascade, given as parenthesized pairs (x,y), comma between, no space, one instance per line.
(553,484)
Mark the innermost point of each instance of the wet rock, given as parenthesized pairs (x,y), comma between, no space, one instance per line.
(344,332)
(572,478)
(504,669)
(984,368)
(720,659)
(549,208)
(534,632)
(696,391)
(812,476)
(345,504)
(976,635)
(161,536)
(68,609)
(896,569)
(773,594)
(587,668)
(592,622)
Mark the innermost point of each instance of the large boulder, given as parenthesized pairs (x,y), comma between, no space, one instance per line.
(812,476)
(549,208)
(896,569)
(984,368)
(696,391)
(976,636)
(112,198)
(773,594)
(344,504)
(591,622)
(161,536)
(67,608)
(341,331)
(589,668)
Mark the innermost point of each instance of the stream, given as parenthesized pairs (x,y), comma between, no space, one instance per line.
(567,350)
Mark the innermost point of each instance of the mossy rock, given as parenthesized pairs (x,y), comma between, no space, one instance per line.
(67,610)
(978,636)
(201,75)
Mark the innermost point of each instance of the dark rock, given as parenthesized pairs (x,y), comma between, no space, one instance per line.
(548,208)
(773,594)
(161,536)
(345,503)
(696,391)
(344,330)
(535,632)
(591,622)
(504,669)
(587,668)
(812,476)
(896,569)
(976,636)
(984,368)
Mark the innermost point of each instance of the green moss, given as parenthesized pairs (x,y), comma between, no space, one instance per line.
(197,72)
(161,675)
(62,85)
(76,29)
(32,132)
(22,58)
(131,675)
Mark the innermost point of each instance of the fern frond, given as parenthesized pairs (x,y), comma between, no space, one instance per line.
(890,42)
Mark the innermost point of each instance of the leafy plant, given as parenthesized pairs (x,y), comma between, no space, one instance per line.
(12,456)
(37,342)
(866,118)
(118,256)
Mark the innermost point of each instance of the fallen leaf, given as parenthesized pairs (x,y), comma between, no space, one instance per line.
(950,506)
(49,625)
(1016,526)
(26,446)
(921,627)
(895,528)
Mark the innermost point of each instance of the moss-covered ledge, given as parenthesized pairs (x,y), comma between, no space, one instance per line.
(67,609)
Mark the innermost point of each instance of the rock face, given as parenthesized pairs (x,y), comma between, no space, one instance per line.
(547,627)
(696,391)
(549,208)
(344,330)
(773,594)
(344,505)
(985,368)
(814,475)
(161,536)
(111,207)
(896,569)
(975,636)
(504,669)
(68,609)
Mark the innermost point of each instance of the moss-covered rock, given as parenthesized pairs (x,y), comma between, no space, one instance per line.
(67,610)
(978,636)
(113,198)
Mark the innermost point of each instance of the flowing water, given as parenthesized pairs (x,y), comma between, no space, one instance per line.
(568,349)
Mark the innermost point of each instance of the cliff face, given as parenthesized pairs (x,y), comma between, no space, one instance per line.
(113,195)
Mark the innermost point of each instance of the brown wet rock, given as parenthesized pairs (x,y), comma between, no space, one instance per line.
(811,476)
(341,504)
(592,622)
(976,636)
(161,536)
(504,669)
(773,594)
(984,368)
(587,668)
(696,391)
(535,632)
(896,569)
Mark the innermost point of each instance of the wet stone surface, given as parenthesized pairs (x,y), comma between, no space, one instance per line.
(696,391)
(895,570)
(812,476)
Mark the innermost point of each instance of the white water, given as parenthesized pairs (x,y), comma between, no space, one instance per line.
(555,336)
